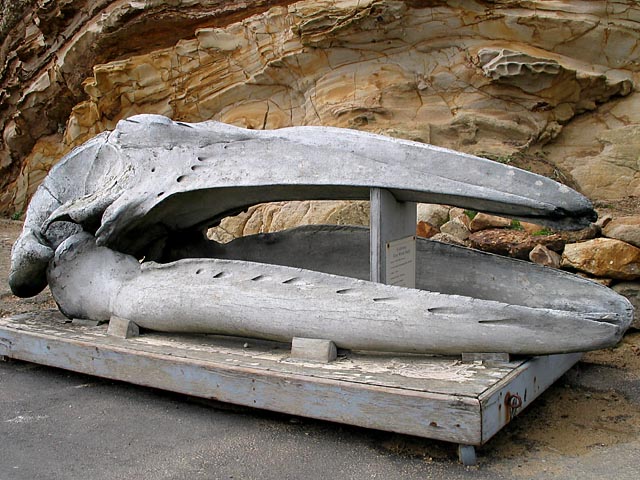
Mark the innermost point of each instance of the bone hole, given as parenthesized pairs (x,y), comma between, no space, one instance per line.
(344,290)
(445,310)
(153,169)
(199,271)
(291,280)
(220,275)
(259,277)
(384,299)
(201,159)
(160,194)
(181,178)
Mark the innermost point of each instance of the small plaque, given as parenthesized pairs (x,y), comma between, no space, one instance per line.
(401,262)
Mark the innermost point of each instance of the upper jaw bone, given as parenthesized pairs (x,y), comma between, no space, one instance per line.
(191,175)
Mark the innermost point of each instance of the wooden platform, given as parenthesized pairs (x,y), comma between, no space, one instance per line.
(434,397)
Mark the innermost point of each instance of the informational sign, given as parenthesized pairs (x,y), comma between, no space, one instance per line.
(401,262)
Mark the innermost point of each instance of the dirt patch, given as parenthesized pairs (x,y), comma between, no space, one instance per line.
(619,207)
(570,421)
(626,356)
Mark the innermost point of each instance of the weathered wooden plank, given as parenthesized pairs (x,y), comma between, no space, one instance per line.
(444,417)
(525,384)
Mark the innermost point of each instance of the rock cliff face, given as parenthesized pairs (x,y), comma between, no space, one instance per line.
(552,83)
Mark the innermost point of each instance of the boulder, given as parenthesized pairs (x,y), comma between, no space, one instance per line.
(603,257)
(426,230)
(456,228)
(543,256)
(534,228)
(512,243)
(483,221)
(626,229)
(457,212)
(574,236)
(631,290)
(433,214)
(603,220)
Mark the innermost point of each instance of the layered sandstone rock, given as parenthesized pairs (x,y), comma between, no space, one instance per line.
(496,78)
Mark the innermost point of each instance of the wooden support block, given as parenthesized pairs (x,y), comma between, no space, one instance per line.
(467,455)
(82,322)
(122,328)
(389,220)
(313,349)
(489,358)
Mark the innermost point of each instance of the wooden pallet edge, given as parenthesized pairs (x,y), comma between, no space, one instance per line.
(438,416)
(522,387)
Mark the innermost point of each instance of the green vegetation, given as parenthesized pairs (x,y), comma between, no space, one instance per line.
(543,232)
(515,225)
(471,214)
(16,216)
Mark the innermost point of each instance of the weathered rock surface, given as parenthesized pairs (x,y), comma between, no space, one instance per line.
(513,243)
(631,290)
(485,77)
(603,257)
(626,229)
(544,256)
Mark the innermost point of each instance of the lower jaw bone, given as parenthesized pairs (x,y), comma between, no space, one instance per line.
(236,297)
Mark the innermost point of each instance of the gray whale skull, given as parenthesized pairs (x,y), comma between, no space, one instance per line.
(150,187)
